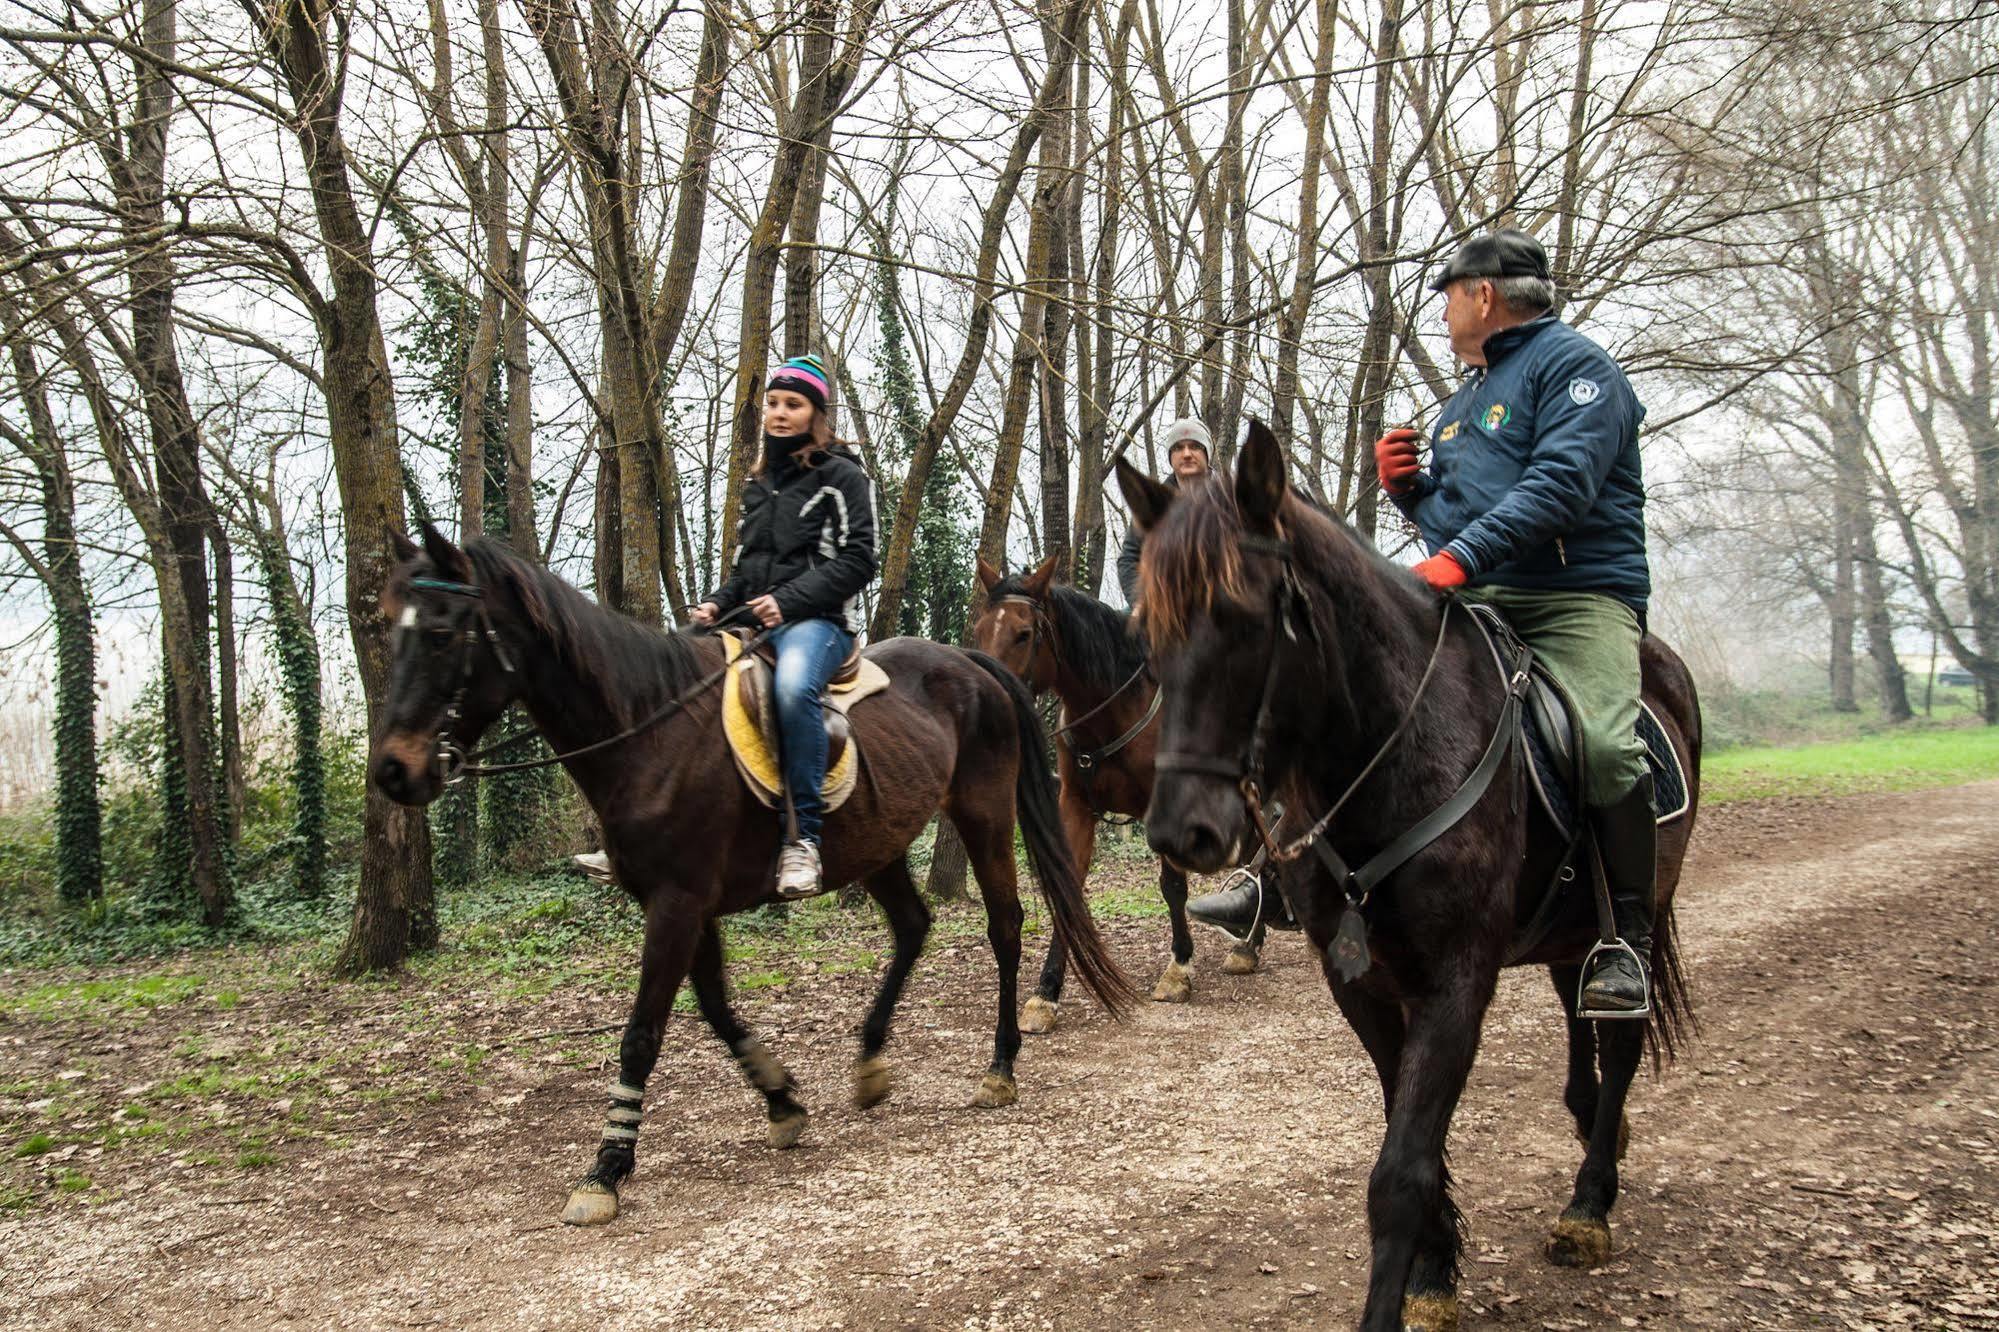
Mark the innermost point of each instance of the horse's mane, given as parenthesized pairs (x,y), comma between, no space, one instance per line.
(1097,641)
(631,665)
(1192,561)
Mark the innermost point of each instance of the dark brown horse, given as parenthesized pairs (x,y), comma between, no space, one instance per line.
(1290,650)
(480,629)
(1058,638)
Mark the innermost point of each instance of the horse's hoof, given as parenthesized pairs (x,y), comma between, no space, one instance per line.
(1623,1136)
(1429,1313)
(1037,1017)
(1241,961)
(1175,985)
(591,1204)
(870,1082)
(994,1091)
(1579,1241)
(785,1132)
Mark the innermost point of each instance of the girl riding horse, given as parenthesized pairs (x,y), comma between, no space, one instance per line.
(805,549)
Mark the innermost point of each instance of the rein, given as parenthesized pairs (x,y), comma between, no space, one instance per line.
(1087,760)
(457,765)
(1349,948)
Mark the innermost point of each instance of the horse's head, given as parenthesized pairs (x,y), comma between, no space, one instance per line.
(449,676)
(1231,640)
(1014,625)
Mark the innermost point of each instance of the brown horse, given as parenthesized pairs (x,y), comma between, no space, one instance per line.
(480,629)
(1290,652)
(1058,638)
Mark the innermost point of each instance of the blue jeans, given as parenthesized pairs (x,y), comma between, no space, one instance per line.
(808,652)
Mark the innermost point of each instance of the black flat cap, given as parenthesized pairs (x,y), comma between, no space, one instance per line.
(1507,253)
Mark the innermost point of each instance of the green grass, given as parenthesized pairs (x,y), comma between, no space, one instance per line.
(1889,761)
(35,1145)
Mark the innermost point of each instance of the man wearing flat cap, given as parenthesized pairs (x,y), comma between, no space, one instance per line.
(1188,458)
(1533,501)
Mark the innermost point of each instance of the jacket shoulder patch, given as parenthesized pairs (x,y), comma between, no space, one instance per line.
(1583,392)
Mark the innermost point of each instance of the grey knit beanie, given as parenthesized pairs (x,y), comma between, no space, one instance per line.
(1189,428)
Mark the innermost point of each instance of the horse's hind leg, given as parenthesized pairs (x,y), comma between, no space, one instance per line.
(989,846)
(1581,1091)
(669,947)
(760,1067)
(909,922)
(1581,1237)
(1176,983)
(1079,828)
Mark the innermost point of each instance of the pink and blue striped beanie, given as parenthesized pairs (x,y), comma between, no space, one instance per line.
(802,374)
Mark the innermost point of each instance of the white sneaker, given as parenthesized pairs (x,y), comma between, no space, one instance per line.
(798,870)
(595,864)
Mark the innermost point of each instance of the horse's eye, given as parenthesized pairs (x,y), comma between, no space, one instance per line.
(1020,636)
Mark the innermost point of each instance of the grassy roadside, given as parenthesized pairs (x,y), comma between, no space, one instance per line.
(1905,760)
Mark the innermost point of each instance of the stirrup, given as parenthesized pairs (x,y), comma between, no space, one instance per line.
(1588,1014)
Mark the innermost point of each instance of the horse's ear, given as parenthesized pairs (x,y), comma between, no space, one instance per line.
(1147,498)
(1259,480)
(1036,583)
(989,577)
(404,548)
(448,559)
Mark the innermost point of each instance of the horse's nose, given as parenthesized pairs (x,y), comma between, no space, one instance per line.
(392,778)
(1193,843)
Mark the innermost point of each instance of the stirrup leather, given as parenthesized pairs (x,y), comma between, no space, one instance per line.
(1589,1014)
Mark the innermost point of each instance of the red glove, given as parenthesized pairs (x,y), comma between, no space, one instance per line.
(1395,459)
(1442,572)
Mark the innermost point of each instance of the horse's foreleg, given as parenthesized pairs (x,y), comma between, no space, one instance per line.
(909,923)
(990,849)
(1411,1219)
(1079,828)
(760,1067)
(1582,1236)
(1176,983)
(670,938)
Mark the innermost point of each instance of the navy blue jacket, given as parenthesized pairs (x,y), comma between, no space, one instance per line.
(1534,479)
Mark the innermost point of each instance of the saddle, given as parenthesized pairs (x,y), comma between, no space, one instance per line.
(1552,741)
(749,721)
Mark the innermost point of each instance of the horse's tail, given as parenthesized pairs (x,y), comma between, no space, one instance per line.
(1673,1025)
(1055,870)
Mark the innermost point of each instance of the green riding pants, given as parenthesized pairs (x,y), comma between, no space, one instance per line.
(1589,643)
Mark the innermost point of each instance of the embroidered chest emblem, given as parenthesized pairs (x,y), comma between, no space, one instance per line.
(1497,415)
(1449,432)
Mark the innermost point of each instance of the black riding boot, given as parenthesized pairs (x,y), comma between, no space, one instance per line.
(1617,981)
(1233,910)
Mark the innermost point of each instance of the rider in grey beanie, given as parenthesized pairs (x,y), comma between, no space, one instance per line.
(1189,454)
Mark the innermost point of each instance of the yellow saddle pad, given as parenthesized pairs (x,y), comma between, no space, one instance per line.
(749,720)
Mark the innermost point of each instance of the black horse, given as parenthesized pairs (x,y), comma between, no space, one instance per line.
(480,629)
(1290,650)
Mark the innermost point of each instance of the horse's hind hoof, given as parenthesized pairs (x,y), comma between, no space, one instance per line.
(1579,1241)
(1241,961)
(1037,1017)
(1175,985)
(994,1091)
(785,1132)
(870,1082)
(591,1204)
(1429,1313)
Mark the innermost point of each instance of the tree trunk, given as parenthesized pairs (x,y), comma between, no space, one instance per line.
(79,817)
(139,181)
(992,232)
(228,713)
(822,81)
(1305,239)
(1051,375)
(394,907)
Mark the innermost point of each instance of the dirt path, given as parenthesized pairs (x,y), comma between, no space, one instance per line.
(1827,1157)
